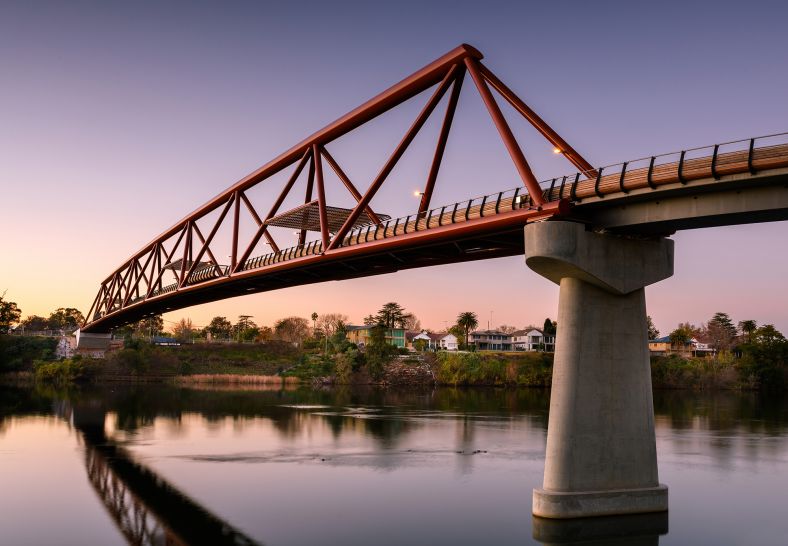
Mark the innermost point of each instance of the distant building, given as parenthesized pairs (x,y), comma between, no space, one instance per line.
(448,342)
(491,340)
(533,340)
(360,335)
(663,346)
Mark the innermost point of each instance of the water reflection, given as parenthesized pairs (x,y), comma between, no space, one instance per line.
(633,530)
(459,463)
(145,508)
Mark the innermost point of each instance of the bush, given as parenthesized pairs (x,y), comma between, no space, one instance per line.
(18,353)
(66,371)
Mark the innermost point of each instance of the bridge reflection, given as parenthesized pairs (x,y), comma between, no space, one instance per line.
(145,508)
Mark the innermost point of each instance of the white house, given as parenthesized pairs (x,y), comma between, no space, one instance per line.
(448,342)
(532,340)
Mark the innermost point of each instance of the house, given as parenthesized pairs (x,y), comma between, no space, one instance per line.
(448,342)
(663,346)
(532,340)
(491,340)
(360,335)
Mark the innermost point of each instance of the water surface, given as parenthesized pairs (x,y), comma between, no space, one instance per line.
(149,463)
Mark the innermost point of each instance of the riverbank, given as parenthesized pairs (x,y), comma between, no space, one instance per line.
(281,363)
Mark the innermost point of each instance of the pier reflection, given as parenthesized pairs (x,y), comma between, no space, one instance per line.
(634,530)
(145,508)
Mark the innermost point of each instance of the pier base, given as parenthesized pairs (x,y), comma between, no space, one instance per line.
(601,454)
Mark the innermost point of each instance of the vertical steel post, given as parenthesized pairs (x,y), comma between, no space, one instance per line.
(321,194)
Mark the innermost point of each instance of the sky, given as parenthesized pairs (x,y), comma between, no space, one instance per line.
(117,119)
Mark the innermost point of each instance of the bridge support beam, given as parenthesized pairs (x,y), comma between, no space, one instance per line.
(601,456)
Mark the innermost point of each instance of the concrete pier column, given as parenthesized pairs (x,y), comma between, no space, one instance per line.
(601,454)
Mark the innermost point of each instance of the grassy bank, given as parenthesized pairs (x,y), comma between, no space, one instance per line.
(488,368)
(756,368)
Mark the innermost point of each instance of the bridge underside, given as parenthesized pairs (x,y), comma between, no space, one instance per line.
(480,246)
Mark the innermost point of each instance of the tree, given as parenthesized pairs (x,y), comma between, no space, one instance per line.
(768,335)
(65,319)
(747,328)
(392,315)
(412,323)
(681,336)
(467,321)
(244,323)
(653,333)
(370,320)
(721,331)
(34,323)
(314,324)
(506,329)
(245,329)
(149,327)
(292,329)
(220,328)
(329,322)
(184,329)
(9,314)
(550,327)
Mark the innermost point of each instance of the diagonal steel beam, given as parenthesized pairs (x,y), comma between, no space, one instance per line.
(401,147)
(348,184)
(451,106)
(262,228)
(539,124)
(506,133)
(207,242)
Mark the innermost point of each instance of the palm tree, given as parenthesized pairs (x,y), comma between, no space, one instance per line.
(748,328)
(467,321)
(314,324)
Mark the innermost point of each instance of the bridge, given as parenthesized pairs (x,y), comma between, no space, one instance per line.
(600,233)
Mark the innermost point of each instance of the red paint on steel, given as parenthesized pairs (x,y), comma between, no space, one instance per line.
(401,147)
(451,106)
(506,133)
(321,195)
(546,131)
(348,184)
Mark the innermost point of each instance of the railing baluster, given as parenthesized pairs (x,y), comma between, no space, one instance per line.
(573,192)
(714,162)
(621,180)
(561,191)
(516,198)
(750,166)
(681,167)
(440,218)
(649,179)
(468,209)
(481,208)
(550,193)
(454,212)
(498,202)
(596,184)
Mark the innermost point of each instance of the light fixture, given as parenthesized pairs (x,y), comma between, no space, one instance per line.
(556,150)
(418,193)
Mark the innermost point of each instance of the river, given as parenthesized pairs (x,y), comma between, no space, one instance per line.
(154,464)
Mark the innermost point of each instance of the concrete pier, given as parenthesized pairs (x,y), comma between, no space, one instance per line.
(601,451)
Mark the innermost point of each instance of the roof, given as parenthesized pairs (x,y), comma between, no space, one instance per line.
(307,216)
(526,332)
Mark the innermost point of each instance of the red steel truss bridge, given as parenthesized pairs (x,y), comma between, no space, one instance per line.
(728,183)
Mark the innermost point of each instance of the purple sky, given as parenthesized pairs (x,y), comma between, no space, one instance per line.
(117,119)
